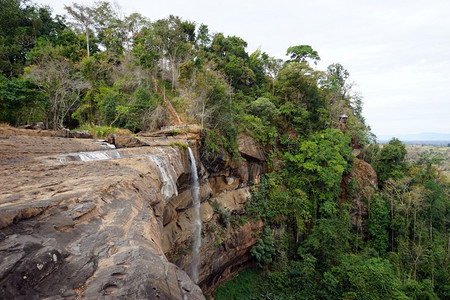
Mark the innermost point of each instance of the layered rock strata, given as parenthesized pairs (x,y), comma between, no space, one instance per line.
(81,222)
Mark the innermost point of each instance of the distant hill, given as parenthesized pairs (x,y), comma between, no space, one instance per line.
(430,138)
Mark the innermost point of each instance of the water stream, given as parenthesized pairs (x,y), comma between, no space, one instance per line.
(197,239)
(169,184)
(98,155)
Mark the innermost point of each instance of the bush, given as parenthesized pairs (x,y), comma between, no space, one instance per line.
(247,284)
(264,248)
(100,131)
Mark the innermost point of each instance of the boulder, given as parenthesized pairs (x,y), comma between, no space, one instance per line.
(125,141)
(249,149)
(39,125)
(83,134)
(220,184)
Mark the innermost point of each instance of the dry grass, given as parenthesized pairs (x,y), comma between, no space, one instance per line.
(122,131)
(414,152)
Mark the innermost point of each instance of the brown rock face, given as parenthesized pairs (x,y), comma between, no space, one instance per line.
(125,141)
(366,185)
(226,242)
(88,229)
(81,222)
(249,149)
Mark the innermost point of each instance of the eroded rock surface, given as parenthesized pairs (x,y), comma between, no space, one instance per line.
(117,223)
(85,229)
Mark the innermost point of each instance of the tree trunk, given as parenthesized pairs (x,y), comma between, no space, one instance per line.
(392,218)
(87,41)
(431,223)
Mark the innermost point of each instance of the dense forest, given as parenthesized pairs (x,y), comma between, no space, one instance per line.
(337,226)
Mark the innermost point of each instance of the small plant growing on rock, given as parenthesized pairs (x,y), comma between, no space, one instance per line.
(179,145)
(224,214)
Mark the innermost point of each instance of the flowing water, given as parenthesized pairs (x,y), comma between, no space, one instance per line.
(98,155)
(197,239)
(169,185)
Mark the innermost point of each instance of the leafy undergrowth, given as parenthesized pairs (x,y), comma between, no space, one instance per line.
(247,284)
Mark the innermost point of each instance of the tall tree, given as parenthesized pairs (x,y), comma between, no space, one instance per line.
(84,18)
(56,78)
(303,53)
(173,37)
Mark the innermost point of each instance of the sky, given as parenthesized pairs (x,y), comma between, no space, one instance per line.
(397,52)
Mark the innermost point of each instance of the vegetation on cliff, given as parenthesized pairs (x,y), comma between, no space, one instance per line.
(325,237)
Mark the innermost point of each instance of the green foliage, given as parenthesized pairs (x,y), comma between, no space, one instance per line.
(390,161)
(264,109)
(264,249)
(329,239)
(224,214)
(18,97)
(379,224)
(304,107)
(20,28)
(317,167)
(105,70)
(97,131)
(302,53)
(183,146)
(246,285)
(360,278)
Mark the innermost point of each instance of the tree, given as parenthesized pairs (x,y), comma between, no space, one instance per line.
(317,167)
(390,161)
(20,100)
(84,17)
(206,92)
(203,36)
(173,39)
(379,224)
(230,56)
(302,53)
(372,278)
(109,27)
(132,25)
(271,67)
(20,28)
(56,78)
(264,249)
(301,102)
(264,109)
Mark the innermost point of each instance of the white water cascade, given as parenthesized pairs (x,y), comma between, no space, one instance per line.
(197,238)
(98,155)
(169,185)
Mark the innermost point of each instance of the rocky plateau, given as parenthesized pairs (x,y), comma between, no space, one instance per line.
(80,220)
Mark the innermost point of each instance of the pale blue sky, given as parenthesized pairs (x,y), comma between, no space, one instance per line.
(397,51)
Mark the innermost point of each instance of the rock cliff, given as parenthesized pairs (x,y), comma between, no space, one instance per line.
(81,221)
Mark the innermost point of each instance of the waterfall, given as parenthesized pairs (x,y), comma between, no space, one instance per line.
(92,156)
(169,184)
(197,238)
